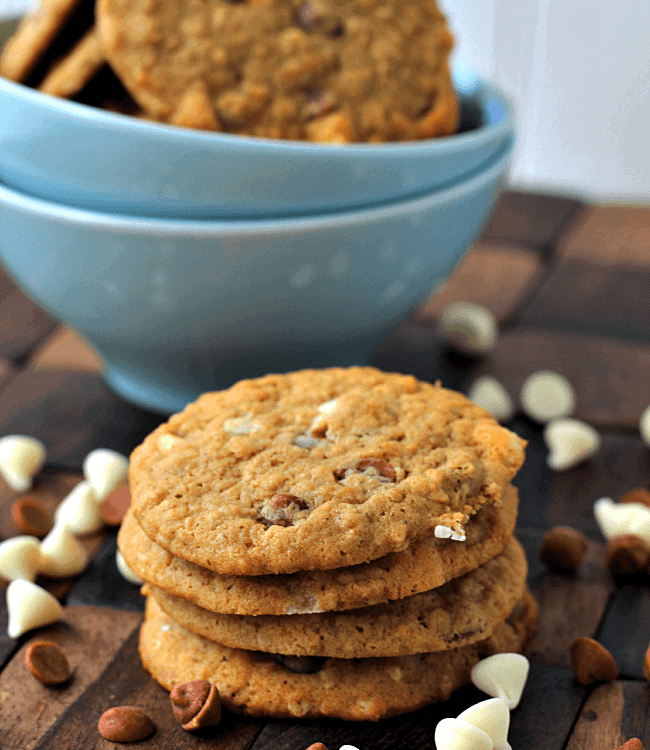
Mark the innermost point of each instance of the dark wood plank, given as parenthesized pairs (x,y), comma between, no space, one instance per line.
(610,377)
(7,372)
(531,220)
(23,324)
(125,682)
(495,276)
(625,631)
(548,709)
(571,604)
(90,638)
(594,299)
(534,478)
(103,585)
(609,235)
(614,713)
(72,413)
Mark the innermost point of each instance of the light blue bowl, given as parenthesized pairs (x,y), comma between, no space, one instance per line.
(94,159)
(175,308)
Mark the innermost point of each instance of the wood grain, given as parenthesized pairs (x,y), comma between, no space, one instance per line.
(72,413)
(614,713)
(90,638)
(531,220)
(594,299)
(495,276)
(610,377)
(609,235)
(625,631)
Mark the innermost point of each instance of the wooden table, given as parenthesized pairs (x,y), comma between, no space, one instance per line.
(570,286)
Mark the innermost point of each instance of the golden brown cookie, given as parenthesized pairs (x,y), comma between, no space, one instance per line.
(332,71)
(255,683)
(70,74)
(424,565)
(463,611)
(318,469)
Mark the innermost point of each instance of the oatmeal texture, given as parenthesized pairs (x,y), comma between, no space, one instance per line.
(333,71)
(422,566)
(256,684)
(202,492)
(463,611)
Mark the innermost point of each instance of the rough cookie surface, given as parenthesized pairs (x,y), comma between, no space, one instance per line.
(424,565)
(273,474)
(255,683)
(463,611)
(331,71)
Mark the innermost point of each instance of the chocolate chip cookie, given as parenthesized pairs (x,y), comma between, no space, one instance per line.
(259,684)
(332,71)
(423,565)
(318,469)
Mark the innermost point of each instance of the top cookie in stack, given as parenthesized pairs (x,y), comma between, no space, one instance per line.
(382,502)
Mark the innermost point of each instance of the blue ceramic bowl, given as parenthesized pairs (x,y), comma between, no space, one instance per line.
(94,159)
(175,308)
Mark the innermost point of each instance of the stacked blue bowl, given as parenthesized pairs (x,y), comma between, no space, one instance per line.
(190,260)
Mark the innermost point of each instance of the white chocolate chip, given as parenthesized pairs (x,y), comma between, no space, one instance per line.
(456,734)
(348,747)
(444,532)
(493,717)
(644,426)
(547,395)
(469,327)
(168,442)
(80,510)
(488,392)
(319,425)
(306,441)
(20,558)
(502,676)
(125,571)
(240,425)
(21,458)
(30,606)
(570,441)
(106,470)
(62,554)
(616,519)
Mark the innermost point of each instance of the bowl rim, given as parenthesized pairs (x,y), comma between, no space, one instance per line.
(205,227)
(187,137)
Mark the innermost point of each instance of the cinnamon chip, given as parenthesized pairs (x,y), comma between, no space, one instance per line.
(592,662)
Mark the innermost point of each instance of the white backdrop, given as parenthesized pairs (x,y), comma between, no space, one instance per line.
(579,73)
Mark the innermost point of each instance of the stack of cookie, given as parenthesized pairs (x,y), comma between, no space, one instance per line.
(328,543)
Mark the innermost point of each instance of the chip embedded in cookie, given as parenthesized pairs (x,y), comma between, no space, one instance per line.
(333,71)
(318,469)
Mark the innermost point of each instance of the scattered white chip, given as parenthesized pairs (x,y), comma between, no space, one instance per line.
(240,425)
(456,734)
(570,441)
(488,392)
(348,747)
(444,532)
(30,606)
(80,510)
(644,426)
(168,442)
(502,676)
(493,717)
(125,570)
(106,470)
(20,558)
(547,395)
(21,458)
(469,327)
(616,519)
(306,441)
(62,554)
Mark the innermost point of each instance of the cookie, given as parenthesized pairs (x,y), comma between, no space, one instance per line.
(68,76)
(255,683)
(331,71)
(317,469)
(463,611)
(45,34)
(424,565)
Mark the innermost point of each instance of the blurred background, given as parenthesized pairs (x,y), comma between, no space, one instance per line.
(579,73)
